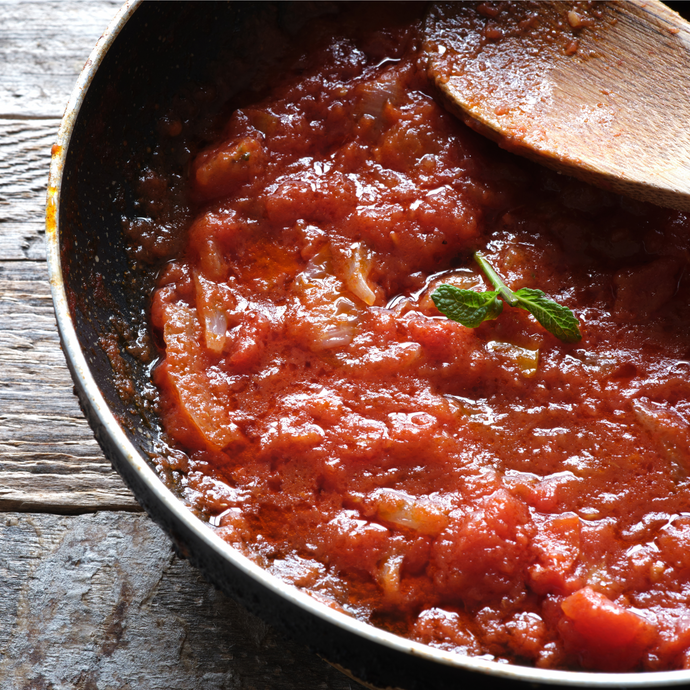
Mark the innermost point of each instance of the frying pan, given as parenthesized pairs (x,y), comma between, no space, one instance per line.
(151,54)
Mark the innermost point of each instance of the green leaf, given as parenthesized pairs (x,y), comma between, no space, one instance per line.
(555,318)
(472,308)
(466,306)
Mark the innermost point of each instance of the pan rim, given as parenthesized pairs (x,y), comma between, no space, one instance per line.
(86,383)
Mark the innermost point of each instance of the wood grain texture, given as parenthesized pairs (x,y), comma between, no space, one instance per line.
(101,601)
(48,456)
(599,92)
(43,47)
(24,162)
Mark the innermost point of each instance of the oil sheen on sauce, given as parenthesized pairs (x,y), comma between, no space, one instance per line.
(491,491)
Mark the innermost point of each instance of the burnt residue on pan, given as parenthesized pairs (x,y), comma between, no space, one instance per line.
(153,102)
(124,207)
(136,129)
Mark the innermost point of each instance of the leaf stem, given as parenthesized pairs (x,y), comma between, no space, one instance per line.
(505,292)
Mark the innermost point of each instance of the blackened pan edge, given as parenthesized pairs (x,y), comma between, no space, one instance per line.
(375,656)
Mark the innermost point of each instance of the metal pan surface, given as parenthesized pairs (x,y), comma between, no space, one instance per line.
(108,131)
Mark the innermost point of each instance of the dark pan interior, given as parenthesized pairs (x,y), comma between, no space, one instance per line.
(164,48)
(167,48)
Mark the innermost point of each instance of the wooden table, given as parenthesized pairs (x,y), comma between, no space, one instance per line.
(91,593)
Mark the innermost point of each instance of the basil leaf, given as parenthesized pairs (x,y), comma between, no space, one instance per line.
(466,306)
(555,318)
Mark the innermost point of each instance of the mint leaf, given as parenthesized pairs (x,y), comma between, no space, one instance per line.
(555,318)
(467,307)
(472,308)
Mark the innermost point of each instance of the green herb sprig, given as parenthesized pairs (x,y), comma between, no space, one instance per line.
(471,308)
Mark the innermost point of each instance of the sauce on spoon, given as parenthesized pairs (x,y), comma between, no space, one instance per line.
(599,91)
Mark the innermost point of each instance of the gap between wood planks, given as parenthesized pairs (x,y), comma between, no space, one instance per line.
(102,601)
(49,459)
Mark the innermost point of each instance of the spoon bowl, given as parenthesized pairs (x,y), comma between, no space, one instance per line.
(599,91)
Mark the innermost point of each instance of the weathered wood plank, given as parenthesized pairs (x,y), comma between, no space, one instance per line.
(43,47)
(100,601)
(49,459)
(48,456)
(24,165)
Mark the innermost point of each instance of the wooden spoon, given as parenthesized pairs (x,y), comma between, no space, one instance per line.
(599,90)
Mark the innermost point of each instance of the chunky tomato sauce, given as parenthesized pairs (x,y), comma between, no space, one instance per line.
(491,491)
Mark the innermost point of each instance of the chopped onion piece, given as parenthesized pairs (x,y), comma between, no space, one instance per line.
(668,430)
(215,329)
(374,97)
(389,575)
(211,308)
(419,514)
(356,271)
(527,360)
(182,336)
(335,336)
(332,316)
(346,310)
(317,268)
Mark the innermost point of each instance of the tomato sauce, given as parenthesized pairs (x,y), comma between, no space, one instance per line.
(492,491)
